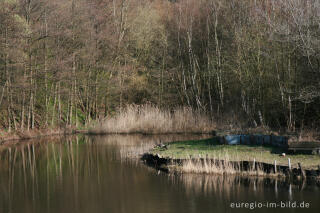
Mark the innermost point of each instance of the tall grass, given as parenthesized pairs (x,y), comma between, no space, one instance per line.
(150,119)
(208,166)
(221,167)
(309,135)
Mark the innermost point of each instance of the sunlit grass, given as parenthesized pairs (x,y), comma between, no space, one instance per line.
(210,148)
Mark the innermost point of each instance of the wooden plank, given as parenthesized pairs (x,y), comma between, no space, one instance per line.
(301,148)
(304,144)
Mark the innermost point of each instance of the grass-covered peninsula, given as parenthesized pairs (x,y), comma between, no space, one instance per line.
(212,149)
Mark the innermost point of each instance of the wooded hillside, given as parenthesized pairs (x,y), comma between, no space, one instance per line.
(67,62)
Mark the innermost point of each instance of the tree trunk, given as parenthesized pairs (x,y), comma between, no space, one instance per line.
(54,106)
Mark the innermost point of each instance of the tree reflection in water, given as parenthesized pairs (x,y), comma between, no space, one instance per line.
(104,173)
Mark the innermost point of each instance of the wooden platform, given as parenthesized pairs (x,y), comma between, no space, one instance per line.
(313,147)
(282,142)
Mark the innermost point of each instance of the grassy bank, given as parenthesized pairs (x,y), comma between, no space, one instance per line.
(149,119)
(211,149)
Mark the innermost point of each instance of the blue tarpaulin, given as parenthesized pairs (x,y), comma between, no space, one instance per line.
(278,140)
(245,139)
(258,139)
(267,140)
(232,139)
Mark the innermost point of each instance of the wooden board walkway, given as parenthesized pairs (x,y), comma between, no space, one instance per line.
(313,147)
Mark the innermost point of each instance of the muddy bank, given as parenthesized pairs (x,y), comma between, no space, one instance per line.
(12,137)
(241,167)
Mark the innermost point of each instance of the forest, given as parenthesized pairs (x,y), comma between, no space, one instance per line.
(70,62)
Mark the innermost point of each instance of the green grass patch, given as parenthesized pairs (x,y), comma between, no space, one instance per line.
(212,149)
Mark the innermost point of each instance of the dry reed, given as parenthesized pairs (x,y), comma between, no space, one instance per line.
(149,119)
(307,135)
(220,167)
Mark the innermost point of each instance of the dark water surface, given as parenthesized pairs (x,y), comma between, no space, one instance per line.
(94,174)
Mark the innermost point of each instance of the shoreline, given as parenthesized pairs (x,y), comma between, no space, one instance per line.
(249,156)
(185,164)
(88,132)
(17,136)
(239,168)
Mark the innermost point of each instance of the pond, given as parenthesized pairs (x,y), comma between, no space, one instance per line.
(104,174)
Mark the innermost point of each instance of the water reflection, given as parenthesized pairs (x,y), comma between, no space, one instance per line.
(228,186)
(97,174)
(235,189)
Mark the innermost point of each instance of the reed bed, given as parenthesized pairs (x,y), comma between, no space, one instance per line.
(220,167)
(149,119)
